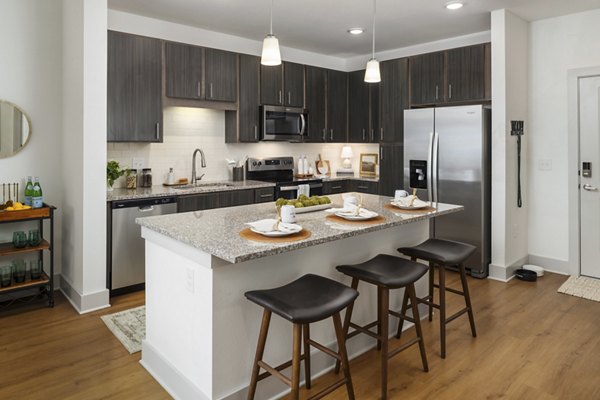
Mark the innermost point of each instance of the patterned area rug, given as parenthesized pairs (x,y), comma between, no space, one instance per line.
(581,286)
(129,327)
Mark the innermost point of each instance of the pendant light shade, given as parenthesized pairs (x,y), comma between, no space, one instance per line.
(270,50)
(372,74)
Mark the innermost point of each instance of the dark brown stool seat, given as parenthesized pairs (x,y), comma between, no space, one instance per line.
(310,298)
(386,272)
(443,253)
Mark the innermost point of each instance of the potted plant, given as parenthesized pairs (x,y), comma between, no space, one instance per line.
(113,172)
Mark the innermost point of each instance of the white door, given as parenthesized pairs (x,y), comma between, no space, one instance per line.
(589,181)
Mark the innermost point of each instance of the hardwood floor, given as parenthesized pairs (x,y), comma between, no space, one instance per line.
(533,343)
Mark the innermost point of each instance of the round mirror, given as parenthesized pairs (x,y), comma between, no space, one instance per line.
(15,129)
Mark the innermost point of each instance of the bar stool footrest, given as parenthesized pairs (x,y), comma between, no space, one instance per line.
(403,347)
(363,329)
(451,290)
(328,389)
(458,314)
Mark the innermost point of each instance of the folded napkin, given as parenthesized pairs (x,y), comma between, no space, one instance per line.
(405,202)
(266,226)
(350,210)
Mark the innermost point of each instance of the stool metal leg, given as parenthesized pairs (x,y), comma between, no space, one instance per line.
(415,310)
(347,319)
(297,341)
(442,272)
(379,316)
(403,313)
(383,334)
(431,281)
(306,338)
(260,349)
(341,339)
(465,288)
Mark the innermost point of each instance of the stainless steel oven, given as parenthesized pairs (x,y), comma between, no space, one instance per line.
(280,170)
(287,124)
(289,190)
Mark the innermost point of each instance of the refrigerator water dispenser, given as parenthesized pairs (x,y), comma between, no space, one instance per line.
(418,174)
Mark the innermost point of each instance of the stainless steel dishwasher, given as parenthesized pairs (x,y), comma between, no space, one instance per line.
(126,251)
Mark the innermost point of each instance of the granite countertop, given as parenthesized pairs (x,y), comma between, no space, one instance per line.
(351,177)
(161,191)
(217,231)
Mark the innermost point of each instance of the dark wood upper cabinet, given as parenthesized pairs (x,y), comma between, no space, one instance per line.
(293,84)
(358,108)
(134,106)
(271,85)
(243,124)
(466,73)
(427,78)
(316,89)
(461,75)
(220,75)
(393,100)
(183,65)
(337,106)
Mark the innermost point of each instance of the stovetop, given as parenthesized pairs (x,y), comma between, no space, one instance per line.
(279,170)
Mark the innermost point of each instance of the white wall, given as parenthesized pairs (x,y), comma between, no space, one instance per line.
(186,129)
(509,102)
(30,65)
(557,45)
(84,153)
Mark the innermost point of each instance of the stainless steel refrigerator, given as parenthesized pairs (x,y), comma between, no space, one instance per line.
(447,157)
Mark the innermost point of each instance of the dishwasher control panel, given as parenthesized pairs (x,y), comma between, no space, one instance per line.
(157,201)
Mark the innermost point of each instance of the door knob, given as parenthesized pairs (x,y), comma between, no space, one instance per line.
(590,188)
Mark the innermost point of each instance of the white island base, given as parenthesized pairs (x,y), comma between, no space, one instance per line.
(201,332)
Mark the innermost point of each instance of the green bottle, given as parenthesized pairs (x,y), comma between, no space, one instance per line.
(37,199)
(28,192)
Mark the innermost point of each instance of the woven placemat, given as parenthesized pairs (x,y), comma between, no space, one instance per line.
(377,220)
(256,237)
(419,211)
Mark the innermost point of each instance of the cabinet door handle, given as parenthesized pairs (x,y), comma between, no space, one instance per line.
(381,134)
(264,196)
(363,187)
(199,88)
(289,98)
(336,187)
(324,134)
(255,132)
(381,154)
(157,130)
(437,92)
(372,134)
(211,92)
(450,91)
(280,97)
(331,134)
(364,136)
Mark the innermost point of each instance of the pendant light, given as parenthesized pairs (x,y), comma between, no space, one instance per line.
(372,74)
(270,49)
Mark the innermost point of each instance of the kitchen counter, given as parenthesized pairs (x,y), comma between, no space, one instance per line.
(161,191)
(201,332)
(216,232)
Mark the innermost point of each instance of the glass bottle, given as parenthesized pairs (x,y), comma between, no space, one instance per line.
(36,199)
(28,192)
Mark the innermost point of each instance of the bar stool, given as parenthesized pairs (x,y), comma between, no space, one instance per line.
(309,299)
(443,253)
(386,272)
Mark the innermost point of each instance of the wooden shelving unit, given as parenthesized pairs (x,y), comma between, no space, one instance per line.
(46,280)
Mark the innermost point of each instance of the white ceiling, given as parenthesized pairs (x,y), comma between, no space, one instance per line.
(320,25)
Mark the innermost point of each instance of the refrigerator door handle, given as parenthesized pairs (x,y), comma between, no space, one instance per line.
(429,168)
(436,145)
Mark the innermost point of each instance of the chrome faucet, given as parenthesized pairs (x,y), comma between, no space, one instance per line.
(202,163)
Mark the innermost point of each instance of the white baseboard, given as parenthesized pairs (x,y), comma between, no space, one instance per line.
(505,273)
(177,385)
(84,303)
(553,265)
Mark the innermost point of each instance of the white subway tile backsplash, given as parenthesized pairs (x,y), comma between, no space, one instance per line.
(186,129)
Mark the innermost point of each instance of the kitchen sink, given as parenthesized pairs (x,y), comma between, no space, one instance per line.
(203,185)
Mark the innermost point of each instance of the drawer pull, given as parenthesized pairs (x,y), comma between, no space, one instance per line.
(266,195)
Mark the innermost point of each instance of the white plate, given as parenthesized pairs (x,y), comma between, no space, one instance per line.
(351,216)
(409,208)
(302,210)
(418,204)
(264,227)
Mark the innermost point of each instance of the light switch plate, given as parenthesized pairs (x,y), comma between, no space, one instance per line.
(137,163)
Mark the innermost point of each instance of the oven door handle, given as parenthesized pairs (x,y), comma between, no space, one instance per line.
(288,188)
(315,185)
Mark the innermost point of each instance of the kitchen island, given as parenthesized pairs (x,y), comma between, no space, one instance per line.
(201,332)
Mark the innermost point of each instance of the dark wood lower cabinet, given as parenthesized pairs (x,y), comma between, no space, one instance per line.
(335,187)
(208,201)
(369,187)
(391,165)
(264,195)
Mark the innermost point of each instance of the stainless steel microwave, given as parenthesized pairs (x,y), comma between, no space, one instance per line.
(287,124)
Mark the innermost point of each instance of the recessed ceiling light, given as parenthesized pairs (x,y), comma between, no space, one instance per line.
(356,31)
(454,5)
